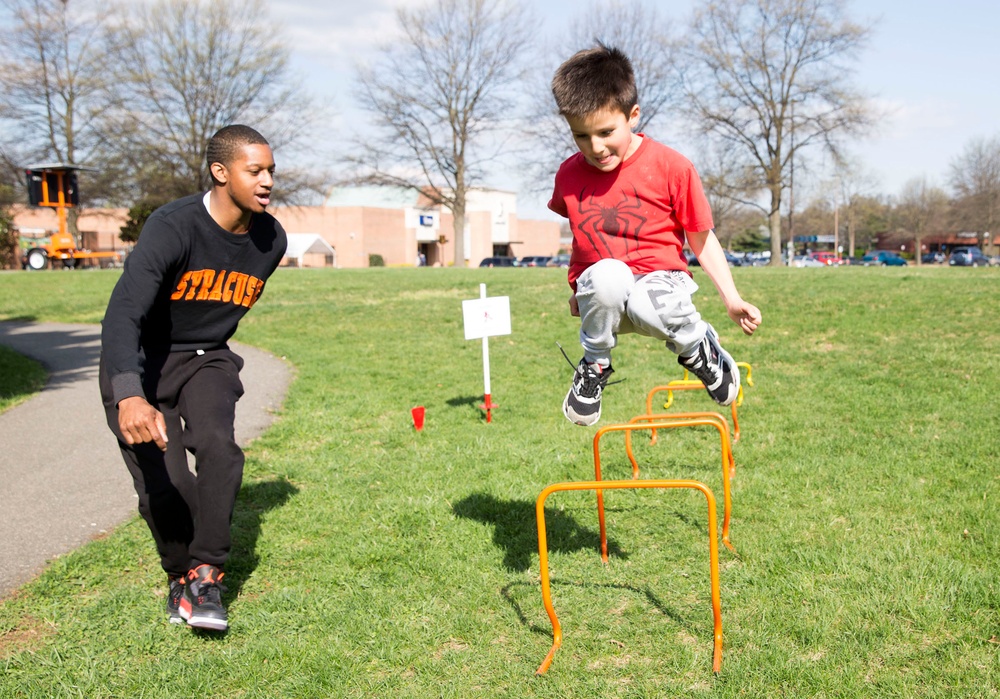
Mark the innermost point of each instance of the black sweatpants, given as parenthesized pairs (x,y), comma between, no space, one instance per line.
(189,514)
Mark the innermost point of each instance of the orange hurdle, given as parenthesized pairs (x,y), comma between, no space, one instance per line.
(716,418)
(667,424)
(687,384)
(543,555)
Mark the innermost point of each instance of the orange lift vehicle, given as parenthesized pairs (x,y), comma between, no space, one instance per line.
(55,186)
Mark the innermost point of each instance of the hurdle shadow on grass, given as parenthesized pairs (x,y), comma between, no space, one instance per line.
(507,592)
(515,530)
(255,499)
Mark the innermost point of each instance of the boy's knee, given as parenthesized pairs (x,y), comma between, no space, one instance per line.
(606,283)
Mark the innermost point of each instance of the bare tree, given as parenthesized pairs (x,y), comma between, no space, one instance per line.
(772,78)
(729,185)
(635,27)
(439,97)
(853,185)
(921,208)
(51,80)
(871,216)
(975,180)
(183,69)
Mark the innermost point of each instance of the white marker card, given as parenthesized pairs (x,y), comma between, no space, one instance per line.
(487,317)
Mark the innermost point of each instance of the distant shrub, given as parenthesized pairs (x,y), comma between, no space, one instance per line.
(137,215)
(376,261)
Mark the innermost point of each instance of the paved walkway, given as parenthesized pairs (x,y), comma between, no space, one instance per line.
(62,479)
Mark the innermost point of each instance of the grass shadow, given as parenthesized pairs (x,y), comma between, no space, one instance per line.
(506,592)
(253,502)
(459,401)
(474,403)
(515,532)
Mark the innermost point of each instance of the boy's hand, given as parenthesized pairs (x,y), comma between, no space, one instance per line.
(745,315)
(574,307)
(140,422)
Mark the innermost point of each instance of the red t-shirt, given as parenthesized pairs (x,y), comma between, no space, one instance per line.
(637,214)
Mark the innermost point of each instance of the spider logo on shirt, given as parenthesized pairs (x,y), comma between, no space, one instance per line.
(623,220)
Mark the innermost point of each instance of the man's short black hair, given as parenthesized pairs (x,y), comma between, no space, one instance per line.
(227,141)
(595,79)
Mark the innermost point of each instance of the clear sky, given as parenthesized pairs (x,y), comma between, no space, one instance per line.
(932,66)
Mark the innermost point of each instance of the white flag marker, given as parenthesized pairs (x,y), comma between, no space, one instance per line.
(485,318)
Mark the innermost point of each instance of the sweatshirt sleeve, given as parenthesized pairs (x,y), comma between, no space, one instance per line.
(148,270)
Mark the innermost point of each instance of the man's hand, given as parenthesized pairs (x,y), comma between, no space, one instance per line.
(140,422)
(574,307)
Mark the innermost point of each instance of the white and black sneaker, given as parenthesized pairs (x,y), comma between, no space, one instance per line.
(715,368)
(583,402)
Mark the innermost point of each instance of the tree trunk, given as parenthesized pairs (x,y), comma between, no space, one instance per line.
(72,215)
(774,219)
(850,231)
(458,230)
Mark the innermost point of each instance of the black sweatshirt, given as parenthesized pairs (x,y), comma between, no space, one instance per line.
(185,286)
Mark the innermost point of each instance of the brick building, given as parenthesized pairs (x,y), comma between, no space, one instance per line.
(399,225)
(353,224)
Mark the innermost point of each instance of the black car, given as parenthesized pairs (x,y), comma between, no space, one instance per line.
(968,257)
(499,262)
(534,261)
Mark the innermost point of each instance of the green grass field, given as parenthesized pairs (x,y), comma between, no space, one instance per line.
(20,378)
(374,561)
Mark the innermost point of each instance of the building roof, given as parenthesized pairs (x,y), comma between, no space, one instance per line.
(301,243)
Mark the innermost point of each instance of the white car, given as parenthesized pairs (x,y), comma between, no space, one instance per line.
(806,261)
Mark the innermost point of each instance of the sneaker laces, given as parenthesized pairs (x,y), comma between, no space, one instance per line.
(175,589)
(212,592)
(591,378)
(699,364)
(211,589)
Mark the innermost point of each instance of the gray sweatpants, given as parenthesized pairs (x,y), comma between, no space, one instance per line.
(613,300)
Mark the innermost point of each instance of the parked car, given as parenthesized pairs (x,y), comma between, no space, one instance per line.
(806,261)
(499,262)
(735,260)
(534,261)
(559,261)
(933,258)
(830,259)
(883,258)
(968,257)
(757,259)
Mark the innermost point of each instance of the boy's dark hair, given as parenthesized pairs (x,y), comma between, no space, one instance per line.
(227,141)
(595,79)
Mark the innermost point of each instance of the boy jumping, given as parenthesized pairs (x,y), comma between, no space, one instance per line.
(631,202)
